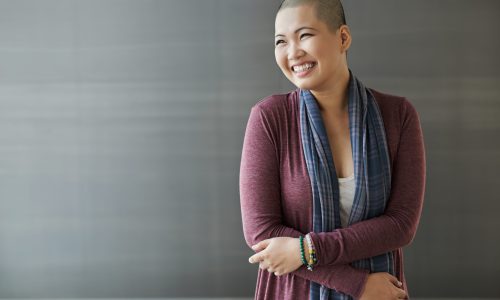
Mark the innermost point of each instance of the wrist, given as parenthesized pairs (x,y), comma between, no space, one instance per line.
(307,252)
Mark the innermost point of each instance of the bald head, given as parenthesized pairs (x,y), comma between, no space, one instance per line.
(330,12)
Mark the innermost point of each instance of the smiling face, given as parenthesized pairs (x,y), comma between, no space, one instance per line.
(309,54)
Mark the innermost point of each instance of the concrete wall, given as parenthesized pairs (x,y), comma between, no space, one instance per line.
(121,125)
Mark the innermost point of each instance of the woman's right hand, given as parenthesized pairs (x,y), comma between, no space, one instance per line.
(382,286)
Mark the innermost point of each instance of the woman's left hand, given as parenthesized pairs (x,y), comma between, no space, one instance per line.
(279,255)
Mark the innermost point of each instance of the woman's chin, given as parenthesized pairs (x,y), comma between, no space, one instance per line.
(304,85)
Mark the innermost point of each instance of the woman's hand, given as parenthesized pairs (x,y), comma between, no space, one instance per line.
(279,255)
(382,286)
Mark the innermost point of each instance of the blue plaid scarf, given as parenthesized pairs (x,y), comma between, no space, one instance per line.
(371,172)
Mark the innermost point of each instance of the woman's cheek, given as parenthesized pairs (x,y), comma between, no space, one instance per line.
(279,60)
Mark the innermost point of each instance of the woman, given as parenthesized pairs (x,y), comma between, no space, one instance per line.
(332,174)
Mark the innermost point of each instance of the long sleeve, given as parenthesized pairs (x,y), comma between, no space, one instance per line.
(396,228)
(261,209)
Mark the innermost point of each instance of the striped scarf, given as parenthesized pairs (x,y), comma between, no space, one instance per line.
(371,172)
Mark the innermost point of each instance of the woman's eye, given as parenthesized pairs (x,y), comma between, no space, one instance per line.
(278,42)
(305,34)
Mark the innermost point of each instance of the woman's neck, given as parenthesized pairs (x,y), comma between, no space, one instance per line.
(333,101)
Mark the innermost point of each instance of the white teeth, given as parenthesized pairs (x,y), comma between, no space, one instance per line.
(303,67)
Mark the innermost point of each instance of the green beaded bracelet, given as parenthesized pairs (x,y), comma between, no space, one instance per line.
(302,252)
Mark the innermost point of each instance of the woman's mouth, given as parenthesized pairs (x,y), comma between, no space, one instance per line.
(304,69)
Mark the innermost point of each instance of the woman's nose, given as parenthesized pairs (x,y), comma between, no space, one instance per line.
(294,52)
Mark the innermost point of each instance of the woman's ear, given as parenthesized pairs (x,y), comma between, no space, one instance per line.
(345,36)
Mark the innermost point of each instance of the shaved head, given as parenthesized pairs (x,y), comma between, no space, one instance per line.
(330,12)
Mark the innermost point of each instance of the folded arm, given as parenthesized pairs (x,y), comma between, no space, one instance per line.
(397,226)
(261,209)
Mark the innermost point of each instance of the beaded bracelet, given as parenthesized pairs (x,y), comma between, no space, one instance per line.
(312,249)
(302,252)
(312,253)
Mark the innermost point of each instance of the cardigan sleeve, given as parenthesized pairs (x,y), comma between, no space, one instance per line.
(396,228)
(260,196)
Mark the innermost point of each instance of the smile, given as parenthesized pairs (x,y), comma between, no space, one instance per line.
(304,69)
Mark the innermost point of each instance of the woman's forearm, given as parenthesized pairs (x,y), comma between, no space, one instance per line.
(397,226)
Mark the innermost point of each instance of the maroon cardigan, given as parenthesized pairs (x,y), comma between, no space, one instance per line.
(276,197)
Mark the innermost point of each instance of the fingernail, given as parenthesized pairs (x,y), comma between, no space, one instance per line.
(250,260)
(400,283)
(253,247)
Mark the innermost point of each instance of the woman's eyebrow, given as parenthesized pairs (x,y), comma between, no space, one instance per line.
(297,30)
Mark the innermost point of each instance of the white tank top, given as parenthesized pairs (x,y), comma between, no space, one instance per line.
(347,187)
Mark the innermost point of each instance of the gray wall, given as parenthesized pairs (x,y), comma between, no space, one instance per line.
(121,125)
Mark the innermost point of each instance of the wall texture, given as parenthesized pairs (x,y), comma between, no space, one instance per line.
(121,126)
